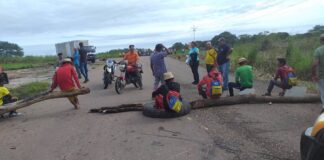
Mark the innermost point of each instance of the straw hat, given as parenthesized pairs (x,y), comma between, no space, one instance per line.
(242,59)
(168,75)
(67,60)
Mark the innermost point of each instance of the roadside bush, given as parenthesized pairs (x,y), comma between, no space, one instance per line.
(30,89)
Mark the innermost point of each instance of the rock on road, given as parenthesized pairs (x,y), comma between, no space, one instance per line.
(52,130)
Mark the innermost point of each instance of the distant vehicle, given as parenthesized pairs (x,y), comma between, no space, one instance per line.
(91,57)
(67,49)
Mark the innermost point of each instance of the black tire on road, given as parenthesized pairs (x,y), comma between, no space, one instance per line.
(312,148)
(150,111)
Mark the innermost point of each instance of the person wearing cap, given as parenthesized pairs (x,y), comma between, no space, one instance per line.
(318,68)
(223,60)
(282,74)
(157,64)
(205,85)
(160,94)
(66,78)
(243,77)
(210,58)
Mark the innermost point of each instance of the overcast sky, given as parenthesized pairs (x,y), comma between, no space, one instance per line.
(37,25)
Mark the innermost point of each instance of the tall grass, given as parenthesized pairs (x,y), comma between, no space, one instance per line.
(298,52)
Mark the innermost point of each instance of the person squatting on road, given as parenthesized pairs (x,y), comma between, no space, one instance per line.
(318,69)
(211,85)
(164,92)
(76,62)
(132,58)
(194,61)
(65,77)
(282,72)
(210,59)
(223,60)
(83,62)
(157,64)
(5,96)
(243,77)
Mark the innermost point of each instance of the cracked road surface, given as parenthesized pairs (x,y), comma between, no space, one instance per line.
(52,130)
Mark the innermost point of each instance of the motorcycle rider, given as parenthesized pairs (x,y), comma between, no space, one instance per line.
(132,58)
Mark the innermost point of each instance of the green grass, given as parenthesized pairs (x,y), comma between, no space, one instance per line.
(14,63)
(16,66)
(30,89)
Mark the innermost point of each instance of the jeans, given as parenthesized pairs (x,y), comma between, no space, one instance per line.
(194,68)
(273,83)
(321,90)
(232,85)
(77,68)
(209,67)
(224,69)
(158,79)
(84,69)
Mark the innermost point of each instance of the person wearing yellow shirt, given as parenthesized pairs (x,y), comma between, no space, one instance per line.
(210,58)
(5,96)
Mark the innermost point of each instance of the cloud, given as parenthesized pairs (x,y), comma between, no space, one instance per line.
(119,23)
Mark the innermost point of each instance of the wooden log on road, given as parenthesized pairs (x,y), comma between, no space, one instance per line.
(252,100)
(224,101)
(41,97)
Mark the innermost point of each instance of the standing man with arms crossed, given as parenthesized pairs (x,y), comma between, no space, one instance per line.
(83,62)
(157,64)
(318,69)
(223,60)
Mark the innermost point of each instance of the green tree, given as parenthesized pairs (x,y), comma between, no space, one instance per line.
(10,49)
(229,38)
(178,46)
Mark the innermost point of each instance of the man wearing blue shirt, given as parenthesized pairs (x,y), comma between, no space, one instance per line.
(223,60)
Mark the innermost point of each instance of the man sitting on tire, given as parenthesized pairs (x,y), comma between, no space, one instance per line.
(164,92)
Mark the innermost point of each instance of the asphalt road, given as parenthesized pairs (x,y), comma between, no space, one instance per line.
(53,130)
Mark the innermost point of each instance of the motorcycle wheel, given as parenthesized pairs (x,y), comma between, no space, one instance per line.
(119,86)
(139,82)
(106,83)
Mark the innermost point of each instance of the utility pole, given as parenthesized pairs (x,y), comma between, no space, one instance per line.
(194,29)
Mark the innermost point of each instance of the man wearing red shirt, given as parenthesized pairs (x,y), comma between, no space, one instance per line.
(282,73)
(65,77)
(205,85)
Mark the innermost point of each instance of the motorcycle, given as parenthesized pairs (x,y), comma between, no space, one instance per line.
(109,72)
(134,76)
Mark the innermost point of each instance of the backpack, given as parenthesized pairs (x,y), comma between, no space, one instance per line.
(292,79)
(174,102)
(216,88)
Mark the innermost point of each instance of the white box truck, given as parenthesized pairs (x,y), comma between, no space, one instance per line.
(67,48)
